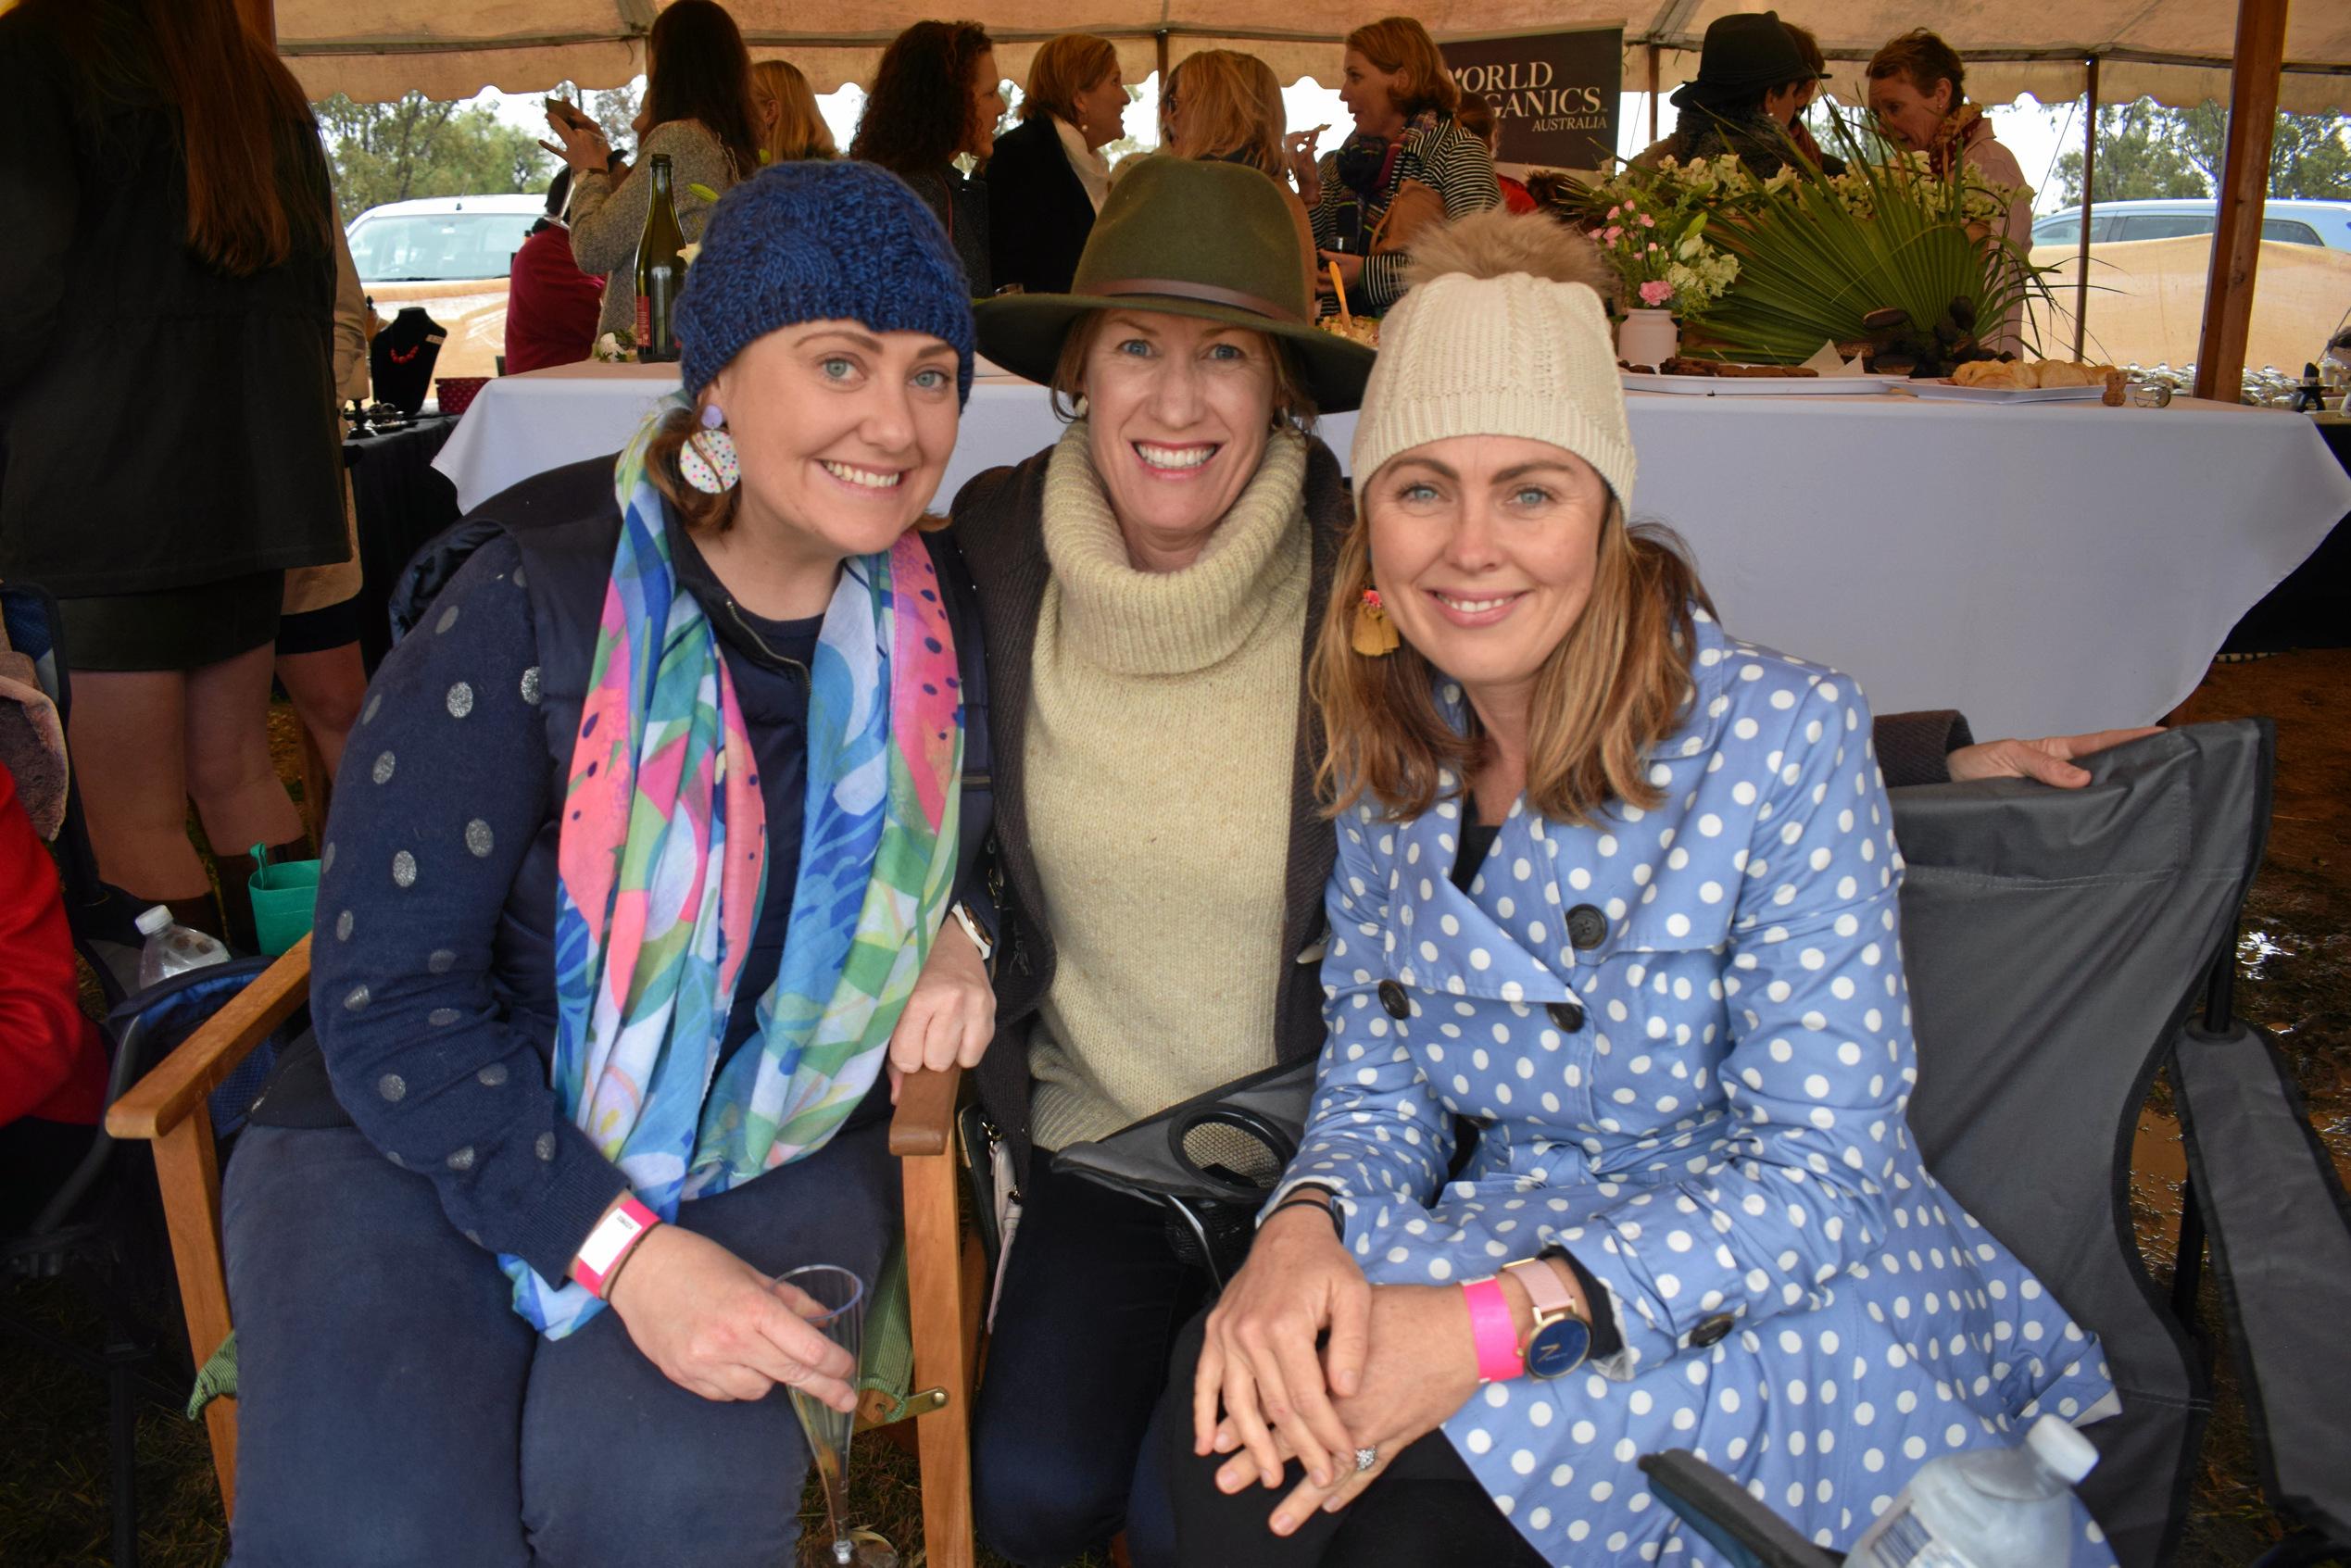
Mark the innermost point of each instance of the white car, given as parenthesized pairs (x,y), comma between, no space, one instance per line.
(451,256)
(2294,222)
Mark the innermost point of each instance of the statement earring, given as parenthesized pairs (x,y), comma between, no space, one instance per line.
(708,460)
(1374,634)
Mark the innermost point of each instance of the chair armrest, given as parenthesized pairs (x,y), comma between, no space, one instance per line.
(176,1087)
(924,1123)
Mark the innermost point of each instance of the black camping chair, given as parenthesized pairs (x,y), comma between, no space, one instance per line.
(103,1227)
(2055,941)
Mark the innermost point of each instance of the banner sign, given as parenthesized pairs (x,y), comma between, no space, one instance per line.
(1554,94)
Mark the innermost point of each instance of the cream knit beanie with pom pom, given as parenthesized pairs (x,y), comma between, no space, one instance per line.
(1502,334)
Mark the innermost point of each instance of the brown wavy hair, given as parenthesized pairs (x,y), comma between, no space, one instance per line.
(1615,685)
(800,132)
(1926,59)
(925,94)
(255,172)
(1401,44)
(1064,68)
(1232,112)
(699,71)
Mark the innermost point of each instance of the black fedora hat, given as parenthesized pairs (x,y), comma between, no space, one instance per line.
(1186,238)
(1743,52)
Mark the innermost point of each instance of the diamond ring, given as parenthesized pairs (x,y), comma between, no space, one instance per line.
(1365,1459)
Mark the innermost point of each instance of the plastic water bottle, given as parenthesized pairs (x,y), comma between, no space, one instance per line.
(1990,1508)
(172,948)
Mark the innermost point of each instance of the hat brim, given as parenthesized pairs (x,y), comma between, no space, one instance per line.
(1025,332)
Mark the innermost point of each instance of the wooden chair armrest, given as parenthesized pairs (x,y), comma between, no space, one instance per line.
(176,1087)
(924,1123)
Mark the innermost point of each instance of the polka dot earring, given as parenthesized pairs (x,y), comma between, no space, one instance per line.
(708,459)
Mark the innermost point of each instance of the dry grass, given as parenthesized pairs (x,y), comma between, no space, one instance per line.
(2296,972)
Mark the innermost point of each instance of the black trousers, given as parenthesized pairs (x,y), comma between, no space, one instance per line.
(1425,1510)
(1092,1304)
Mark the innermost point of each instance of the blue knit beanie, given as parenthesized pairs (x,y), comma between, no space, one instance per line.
(816,241)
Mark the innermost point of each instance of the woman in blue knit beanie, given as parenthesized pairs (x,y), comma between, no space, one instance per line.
(646,891)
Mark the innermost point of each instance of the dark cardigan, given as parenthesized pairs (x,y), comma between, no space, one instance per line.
(1038,214)
(999,521)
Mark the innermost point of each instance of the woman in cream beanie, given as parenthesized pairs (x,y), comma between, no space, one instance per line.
(1619,894)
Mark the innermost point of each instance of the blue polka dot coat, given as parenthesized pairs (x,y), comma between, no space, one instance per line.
(1685,1035)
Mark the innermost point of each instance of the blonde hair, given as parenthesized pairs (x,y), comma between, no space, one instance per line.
(1232,110)
(1615,685)
(800,131)
(1064,68)
(1400,46)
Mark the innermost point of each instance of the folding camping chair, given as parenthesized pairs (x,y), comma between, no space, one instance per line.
(100,1225)
(943,1264)
(2055,942)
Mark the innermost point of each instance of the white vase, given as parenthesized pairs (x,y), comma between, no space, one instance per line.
(1647,337)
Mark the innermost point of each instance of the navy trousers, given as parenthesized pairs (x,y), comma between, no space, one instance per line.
(395,1413)
(1093,1300)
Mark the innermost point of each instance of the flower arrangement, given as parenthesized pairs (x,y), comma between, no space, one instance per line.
(1657,240)
(1788,261)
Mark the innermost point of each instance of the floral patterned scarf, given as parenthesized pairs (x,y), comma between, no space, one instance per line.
(662,867)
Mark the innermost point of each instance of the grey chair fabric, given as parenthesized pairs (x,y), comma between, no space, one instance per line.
(2055,941)
(2281,1244)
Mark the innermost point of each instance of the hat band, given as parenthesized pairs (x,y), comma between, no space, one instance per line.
(1182,288)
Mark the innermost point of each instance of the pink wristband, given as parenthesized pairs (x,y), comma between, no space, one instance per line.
(613,1239)
(1493,1333)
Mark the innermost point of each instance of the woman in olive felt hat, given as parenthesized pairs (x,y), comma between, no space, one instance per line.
(1151,583)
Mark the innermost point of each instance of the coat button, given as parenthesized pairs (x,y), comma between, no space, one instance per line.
(1393,997)
(1587,927)
(1569,1015)
(1710,1330)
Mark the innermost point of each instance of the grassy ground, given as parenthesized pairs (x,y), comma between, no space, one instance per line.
(2295,965)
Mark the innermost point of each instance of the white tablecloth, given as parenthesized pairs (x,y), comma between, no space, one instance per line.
(2044,568)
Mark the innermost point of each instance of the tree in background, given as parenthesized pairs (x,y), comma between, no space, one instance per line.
(2148,152)
(417,147)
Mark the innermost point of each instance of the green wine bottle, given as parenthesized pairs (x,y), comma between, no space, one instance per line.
(660,270)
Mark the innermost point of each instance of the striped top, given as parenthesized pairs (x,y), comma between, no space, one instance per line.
(1457,165)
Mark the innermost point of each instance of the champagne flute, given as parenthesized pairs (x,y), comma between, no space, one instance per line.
(840,1314)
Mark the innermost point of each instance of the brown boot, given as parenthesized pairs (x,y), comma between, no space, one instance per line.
(198,913)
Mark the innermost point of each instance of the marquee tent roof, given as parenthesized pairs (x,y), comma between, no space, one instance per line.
(2175,50)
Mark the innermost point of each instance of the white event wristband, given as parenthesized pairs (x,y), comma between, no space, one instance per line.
(614,1236)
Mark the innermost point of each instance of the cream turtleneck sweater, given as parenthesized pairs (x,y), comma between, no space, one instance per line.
(1161,737)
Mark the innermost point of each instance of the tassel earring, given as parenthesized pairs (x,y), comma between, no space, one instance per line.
(1375,635)
(708,461)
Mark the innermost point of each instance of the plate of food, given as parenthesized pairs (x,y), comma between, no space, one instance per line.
(1714,378)
(2023,381)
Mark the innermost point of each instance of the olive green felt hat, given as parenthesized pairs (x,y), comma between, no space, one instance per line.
(1187,238)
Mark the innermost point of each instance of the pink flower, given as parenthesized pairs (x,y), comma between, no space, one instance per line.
(1647,222)
(1652,250)
(1611,233)
(1615,212)
(1656,291)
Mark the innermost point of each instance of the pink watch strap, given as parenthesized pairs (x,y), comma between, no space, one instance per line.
(614,1239)
(1491,1329)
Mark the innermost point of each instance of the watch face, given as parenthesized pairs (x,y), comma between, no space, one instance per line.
(1558,1347)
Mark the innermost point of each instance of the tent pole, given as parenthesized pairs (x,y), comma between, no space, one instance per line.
(2089,184)
(1652,94)
(261,16)
(2244,182)
(1159,39)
